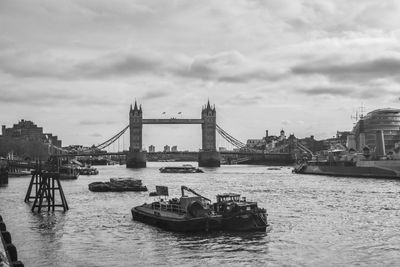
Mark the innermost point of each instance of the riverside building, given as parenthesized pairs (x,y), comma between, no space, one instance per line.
(26,140)
(386,120)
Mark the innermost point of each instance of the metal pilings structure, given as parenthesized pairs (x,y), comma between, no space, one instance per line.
(45,185)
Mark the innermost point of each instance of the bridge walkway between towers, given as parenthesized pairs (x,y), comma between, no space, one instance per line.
(172,121)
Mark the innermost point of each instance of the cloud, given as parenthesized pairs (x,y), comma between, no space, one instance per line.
(155,94)
(332,91)
(12,95)
(117,64)
(359,92)
(51,96)
(59,65)
(244,99)
(27,64)
(79,59)
(96,122)
(357,71)
(228,66)
(379,14)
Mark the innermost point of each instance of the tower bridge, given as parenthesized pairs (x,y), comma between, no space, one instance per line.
(208,156)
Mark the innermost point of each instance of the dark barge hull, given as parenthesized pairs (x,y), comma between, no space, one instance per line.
(244,222)
(237,223)
(350,171)
(106,187)
(204,224)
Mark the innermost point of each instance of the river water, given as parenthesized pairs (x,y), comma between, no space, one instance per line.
(315,221)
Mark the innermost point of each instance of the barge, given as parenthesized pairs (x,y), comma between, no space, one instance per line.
(198,214)
(118,185)
(187,168)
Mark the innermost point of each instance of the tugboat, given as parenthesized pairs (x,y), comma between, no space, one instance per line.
(198,214)
(186,168)
(239,214)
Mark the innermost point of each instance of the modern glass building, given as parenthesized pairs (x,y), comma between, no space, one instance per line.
(387,120)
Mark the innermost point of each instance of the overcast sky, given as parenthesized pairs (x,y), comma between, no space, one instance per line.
(74,67)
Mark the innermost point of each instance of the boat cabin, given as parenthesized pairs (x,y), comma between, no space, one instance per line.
(231,202)
(228,197)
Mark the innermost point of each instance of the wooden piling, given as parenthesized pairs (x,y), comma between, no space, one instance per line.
(3,175)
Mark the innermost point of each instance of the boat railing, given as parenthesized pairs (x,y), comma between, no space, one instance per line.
(168,207)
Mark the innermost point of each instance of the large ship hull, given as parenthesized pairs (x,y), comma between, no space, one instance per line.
(368,169)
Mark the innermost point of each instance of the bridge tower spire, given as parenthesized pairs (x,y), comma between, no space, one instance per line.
(209,156)
(136,157)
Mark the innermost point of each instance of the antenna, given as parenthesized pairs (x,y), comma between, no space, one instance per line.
(359,113)
(354,117)
(362,110)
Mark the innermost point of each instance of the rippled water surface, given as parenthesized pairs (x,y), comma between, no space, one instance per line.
(315,221)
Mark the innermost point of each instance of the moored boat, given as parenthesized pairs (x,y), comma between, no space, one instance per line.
(88,170)
(366,169)
(186,168)
(343,163)
(197,213)
(68,172)
(118,185)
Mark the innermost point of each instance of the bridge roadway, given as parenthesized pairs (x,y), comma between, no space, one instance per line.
(90,154)
(248,153)
(172,121)
(20,164)
(256,156)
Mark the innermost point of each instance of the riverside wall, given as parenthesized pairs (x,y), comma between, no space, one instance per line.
(8,251)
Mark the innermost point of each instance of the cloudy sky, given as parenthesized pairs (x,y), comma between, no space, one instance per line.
(74,67)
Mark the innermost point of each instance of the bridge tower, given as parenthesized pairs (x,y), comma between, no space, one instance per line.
(209,156)
(136,158)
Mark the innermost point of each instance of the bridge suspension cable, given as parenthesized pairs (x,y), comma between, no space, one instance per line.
(58,148)
(109,141)
(233,141)
(103,145)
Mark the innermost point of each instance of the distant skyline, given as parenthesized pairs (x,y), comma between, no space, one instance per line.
(75,67)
